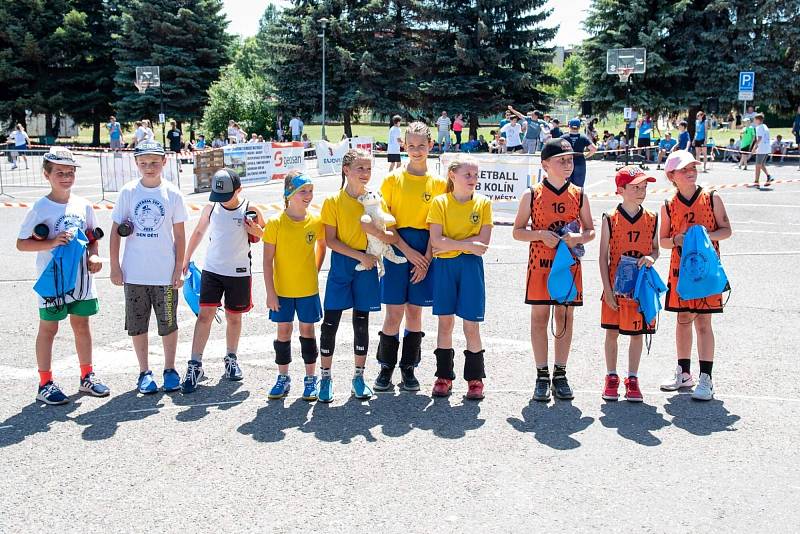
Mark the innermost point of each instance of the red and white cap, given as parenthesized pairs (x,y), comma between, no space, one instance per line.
(632,174)
(678,160)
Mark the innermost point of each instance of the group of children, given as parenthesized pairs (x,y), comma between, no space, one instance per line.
(440,229)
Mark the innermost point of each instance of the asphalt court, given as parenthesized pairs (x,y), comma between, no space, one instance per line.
(224,458)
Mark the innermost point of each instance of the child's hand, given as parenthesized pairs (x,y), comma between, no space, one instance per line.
(253,228)
(478,248)
(116,275)
(177,279)
(419,261)
(647,261)
(93,263)
(550,238)
(368,261)
(610,300)
(185,268)
(677,240)
(273,303)
(571,239)
(61,239)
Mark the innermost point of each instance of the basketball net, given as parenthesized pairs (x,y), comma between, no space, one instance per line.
(141,86)
(624,74)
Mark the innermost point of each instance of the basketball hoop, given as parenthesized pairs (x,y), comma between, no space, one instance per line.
(624,74)
(141,86)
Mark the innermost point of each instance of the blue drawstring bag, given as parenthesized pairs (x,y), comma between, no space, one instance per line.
(625,277)
(701,274)
(649,288)
(59,277)
(191,288)
(561,282)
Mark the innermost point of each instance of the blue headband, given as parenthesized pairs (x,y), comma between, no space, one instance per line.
(297,182)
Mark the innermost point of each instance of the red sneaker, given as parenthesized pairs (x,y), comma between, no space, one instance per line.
(475,389)
(610,392)
(442,387)
(632,391)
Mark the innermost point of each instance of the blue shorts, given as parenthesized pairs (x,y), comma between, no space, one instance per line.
(347,288)
(459,289)
(396,286)
(307,309)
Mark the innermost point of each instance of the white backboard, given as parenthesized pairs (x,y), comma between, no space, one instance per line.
(631,58)
(148,76)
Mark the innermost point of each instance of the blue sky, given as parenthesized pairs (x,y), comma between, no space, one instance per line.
(244,15)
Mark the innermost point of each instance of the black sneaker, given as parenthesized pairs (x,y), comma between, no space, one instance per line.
(410,382)
(542,390)
(561,388)
(384,380)
(769,181)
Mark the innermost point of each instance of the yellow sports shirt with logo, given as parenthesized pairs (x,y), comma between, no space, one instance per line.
(409,197)
(295,263)
(460,220)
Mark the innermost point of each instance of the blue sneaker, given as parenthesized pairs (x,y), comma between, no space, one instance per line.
(360,388)
(194,374)
(310,392)
(146,383)
(92,386)
(232,369)
(172,380)
(325,389)
(51,394)
(281,387)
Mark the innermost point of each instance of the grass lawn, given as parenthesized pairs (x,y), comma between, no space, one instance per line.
(381,133)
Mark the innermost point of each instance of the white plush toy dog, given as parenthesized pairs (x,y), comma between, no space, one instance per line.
(373,213)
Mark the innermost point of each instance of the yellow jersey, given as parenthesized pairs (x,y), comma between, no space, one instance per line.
(409,197)
(295,263)
(344,212)
(460,220)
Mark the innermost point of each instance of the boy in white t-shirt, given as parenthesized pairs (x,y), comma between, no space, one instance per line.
(149,215)
(51,222)
(393,148)
(229,221)
(762,148)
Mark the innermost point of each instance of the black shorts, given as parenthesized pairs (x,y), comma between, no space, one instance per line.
(237,291)
(642,142)
(517,148)
(745,148)
(699,143)
(393,158)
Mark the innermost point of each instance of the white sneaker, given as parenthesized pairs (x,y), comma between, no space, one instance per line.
(705,388)
(680,380)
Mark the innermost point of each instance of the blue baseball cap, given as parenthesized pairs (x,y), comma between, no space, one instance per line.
(149,147)
(575,123)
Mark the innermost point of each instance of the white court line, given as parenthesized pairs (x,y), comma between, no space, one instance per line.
(739,231)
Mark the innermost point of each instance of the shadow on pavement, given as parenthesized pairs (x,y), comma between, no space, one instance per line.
(35,418)
(273,420)
(552,423)
(699,417)
(103,422)
(223,396)
(635,421)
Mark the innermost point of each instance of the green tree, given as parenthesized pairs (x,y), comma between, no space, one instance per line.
(187,40)
(244,99)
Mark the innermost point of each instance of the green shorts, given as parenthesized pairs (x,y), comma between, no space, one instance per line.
(81,308)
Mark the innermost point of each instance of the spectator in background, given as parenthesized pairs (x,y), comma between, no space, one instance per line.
(612,144)
(201,142)
(483,146)
(630,126)
(623,141)
(148,130)
(683,137)
(21,142)
(711,149)
(731,151)
(796,128)
(253,138)
(583,148)
(750,114)
(279,128)
(393,148)
(458,127)
(665,146)
(260,138)
(138,134)
(533,132)
(114,133)
(174,137)
(306,141)
(779,148)
(748,139)
(443,127)
(555,131)
(233,132)
(762,149)
(513,134)
(296,126)
(219,142)
(591,131)
(241,135)
(646,134)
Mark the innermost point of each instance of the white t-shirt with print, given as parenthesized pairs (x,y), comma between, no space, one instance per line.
(513,132)
(19,138)
(394,140)
(444,124)
(149,254)
(76,213)
(764,146)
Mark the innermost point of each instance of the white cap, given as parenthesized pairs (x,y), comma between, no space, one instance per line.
(678,160)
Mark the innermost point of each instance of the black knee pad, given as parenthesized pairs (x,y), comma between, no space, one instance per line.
(473,365)
(308,349)
(412,349)
(327,332)
(387,349)
(283,352)
(360,333)
(444,363)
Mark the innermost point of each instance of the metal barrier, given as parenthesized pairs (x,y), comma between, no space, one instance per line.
(119,168)
(21,169)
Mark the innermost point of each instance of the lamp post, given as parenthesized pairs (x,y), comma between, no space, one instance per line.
(324,23)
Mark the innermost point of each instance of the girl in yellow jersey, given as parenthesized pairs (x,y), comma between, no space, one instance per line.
(461,227)
(406,287)
(346,287)
(294,248)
